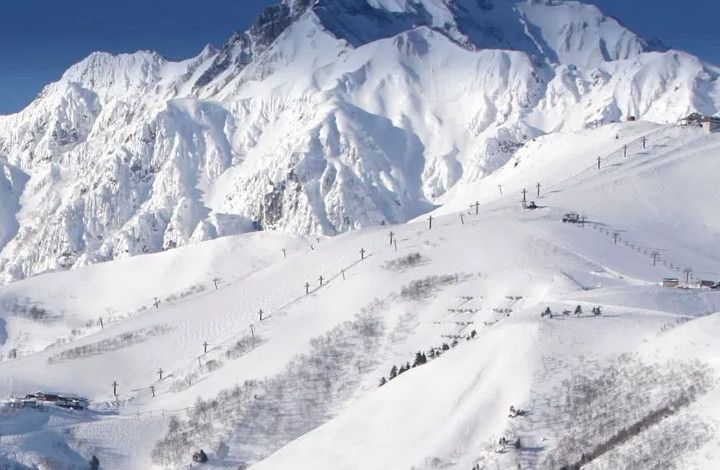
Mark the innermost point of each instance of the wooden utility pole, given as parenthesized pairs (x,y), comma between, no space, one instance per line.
(598,163)
(462,219)
(260,314)
(362,254)
(538,189)
(687,272)
(284,253)
(477,207)
(102,327)
(644,141)
(500,188)
(307,288)
(391,237)
(625,151)
(655,256)
(160,373)
(343,273)
(114,384)
(524,195)
(215,281)
(616,235)
(430,218)
(152,390)
(205,345)
(321,280)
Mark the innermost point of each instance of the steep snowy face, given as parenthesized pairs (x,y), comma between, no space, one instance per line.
(324,116)
(573,33)
(559,32)
(551,31)
(117,76)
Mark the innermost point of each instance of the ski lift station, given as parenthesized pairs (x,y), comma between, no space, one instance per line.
(708,123)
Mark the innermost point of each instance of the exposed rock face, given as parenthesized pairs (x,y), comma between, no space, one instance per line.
(325,116)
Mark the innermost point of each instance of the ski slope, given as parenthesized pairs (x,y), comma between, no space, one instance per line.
(308,373)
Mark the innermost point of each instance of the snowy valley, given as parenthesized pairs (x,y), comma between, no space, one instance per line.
(310,249)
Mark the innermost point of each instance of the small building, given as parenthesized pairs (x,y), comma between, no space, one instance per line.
(711,125)
(42,396)
(23,403)
(42,399)
(708,123)
(671,282)
(708,284)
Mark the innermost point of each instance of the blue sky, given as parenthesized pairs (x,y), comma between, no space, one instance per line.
(39,39)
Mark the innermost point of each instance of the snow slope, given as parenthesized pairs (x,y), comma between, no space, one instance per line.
(325,116)
(300,388)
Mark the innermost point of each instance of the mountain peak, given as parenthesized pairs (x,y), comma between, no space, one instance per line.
(116,74)
(550,31)
(555,31)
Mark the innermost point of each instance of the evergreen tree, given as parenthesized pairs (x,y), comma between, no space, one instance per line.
(393,372)
(94,463)
(445,347)
(578,310)
(382,381)
(200,457)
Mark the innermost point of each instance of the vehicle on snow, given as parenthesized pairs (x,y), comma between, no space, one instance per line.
(571,218)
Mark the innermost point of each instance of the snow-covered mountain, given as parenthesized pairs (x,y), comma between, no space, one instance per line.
(326,115)
(407,355)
